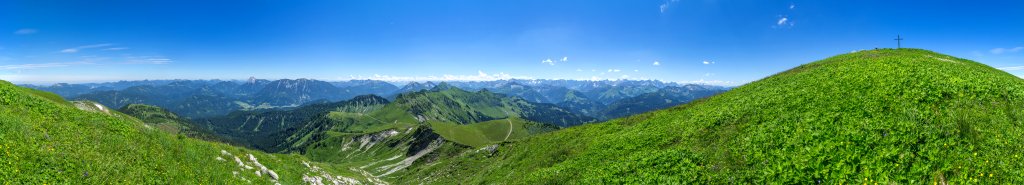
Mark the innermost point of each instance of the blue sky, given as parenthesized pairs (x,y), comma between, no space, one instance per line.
(691,41)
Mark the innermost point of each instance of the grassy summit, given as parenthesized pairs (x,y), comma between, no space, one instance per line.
(878,116)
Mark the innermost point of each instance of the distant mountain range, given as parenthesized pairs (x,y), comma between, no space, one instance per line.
(211,98)
(276,130)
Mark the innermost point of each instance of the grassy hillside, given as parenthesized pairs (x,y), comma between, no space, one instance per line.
(167,121)
(903,116)
(44,140)
(489,132)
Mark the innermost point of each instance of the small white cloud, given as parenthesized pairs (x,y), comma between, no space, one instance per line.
(624,76)
(1006,50)
(708,62)
(636,70)
(548,61)
(614,70)
(656,63)
(782,21)
(565,59)
(578,69)
(792,6)
(481,73)
(25,31)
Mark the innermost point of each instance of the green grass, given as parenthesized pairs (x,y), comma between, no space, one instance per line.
(904,116)
(43,141)
(488,132)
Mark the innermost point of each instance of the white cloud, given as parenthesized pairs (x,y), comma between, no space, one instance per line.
(79,48)
(792,6)
(480,73)
(708,62)
(656,63)
(565,59)
(636,70)
(614,70)
(1006,50)
(25,31)
(624,76)
(548,61)
(664,6)
(578,69)
(1012,68)
(147,60)
(782,21)
(42,65)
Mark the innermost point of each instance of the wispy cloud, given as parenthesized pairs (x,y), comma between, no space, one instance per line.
(656,63)
(1011,68)
(1006,50)
(792,6)
(25,31)
(43,65)
(147,60)
(115,49)
(565,59)
(708,62)
(664,6)
(79,48)
(614,70)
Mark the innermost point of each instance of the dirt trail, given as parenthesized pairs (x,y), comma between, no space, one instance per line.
(509,129)
(509,119)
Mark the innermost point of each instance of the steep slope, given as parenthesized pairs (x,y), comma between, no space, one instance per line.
(903,116)
(46,140)
(167,121)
